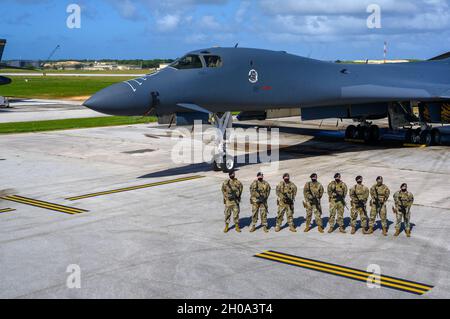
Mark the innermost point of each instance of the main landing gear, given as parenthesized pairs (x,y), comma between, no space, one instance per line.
(222,161)
(425,135)
(365,131)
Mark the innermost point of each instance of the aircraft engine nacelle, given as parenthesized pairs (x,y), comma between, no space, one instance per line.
(438,112)
(371,111)
(4,81)
(269,114)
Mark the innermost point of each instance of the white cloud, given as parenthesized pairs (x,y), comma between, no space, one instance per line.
(168,22)
(209,22)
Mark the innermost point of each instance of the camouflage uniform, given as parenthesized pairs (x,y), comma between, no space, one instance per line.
(403,203)
(259,192)
(232,192)
(313,193)
(359,196)
(337,193)
(286,193)
(380,195)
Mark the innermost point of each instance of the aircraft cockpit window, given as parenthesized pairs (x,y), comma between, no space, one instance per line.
(213,61)
(188,62)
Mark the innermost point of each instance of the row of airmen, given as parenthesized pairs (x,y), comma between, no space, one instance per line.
(313,191)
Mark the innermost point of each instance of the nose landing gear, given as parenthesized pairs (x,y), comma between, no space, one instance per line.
(222,161)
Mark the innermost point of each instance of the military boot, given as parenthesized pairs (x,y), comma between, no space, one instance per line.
(397,233)
(408,233)
(370,231)
(353,230)
(364,230)
(253,229)
(292,229)
(266,230)
(277,229)
(385,232)
(342,230)
(330,230)
(308,228)
(321,230)
(238,229)
(227,228)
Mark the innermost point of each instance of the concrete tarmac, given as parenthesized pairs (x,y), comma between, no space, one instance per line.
(28,110)
(167,240)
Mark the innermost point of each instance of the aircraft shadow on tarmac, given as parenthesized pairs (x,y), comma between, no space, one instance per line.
(323,143)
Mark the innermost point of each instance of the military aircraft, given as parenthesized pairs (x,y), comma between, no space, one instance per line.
(3,80)
(211,83)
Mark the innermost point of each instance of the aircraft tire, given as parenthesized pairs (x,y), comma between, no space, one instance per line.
(216,166)
(415,136)
(374,133)
(426,138)
(351,132)
(436,136)
(408,136)
(228,165)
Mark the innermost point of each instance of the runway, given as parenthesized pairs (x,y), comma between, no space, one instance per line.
(145,227)
(28,110)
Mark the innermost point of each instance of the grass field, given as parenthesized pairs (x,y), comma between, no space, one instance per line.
(56,87)
(141,71)
(55,125)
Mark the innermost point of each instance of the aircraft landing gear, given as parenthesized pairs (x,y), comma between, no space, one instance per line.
(223,161)
(424,135)
(365,131)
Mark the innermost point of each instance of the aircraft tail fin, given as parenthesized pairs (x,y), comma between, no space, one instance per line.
(445,56)
(2,47)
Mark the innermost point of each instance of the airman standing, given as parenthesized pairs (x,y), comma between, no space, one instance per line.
(359,195)
(313,193)
(337,192)
(380,194)
(286,192)
(232,192)
(403,202)
(260,192)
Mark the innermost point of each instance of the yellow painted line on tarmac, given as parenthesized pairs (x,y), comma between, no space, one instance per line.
(346,272)
(415,145)
(44,205)
(132,188)
(6,210)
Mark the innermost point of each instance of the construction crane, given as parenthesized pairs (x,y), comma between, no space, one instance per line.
(51,55)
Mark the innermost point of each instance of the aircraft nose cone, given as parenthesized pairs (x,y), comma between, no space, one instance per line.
(119,99)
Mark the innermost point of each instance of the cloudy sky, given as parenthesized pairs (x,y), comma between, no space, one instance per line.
(145,29)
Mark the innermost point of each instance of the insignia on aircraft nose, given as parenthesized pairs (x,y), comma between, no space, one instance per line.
(253,76)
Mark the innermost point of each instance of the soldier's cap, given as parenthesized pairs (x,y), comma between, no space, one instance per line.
(313,175)
(337,175)
(286,175)
(404,185)
(359,178)
(232,173)
(260,174)
(379,178)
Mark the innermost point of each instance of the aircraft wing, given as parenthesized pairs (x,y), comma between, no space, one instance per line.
(2,47)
